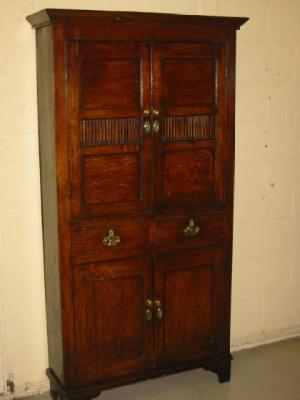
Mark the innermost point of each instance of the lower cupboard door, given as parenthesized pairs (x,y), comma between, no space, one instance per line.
(189,305)
(113,337)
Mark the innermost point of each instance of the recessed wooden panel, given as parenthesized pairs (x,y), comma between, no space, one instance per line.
(110,178)
(188,128)
(111,332)
(188,82)
(116,327)
(188,172)
(109,83)
(188,306)
(188,284)
(109,131)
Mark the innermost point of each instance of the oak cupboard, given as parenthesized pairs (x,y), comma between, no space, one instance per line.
(136,131)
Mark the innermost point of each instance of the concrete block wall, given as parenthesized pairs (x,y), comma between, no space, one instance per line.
(266,270)
(265,285)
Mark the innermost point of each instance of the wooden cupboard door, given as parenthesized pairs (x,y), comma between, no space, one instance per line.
(189,93)
(108,90)
(113,337)
(189,285)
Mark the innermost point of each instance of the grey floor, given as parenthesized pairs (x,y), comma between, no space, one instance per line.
(269,372)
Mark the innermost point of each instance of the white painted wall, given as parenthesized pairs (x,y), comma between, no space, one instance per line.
(2,379)
(266,273)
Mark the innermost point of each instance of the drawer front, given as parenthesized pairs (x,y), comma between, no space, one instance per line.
(106,240)
(187,230)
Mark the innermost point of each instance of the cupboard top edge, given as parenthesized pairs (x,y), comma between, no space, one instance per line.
(67,16)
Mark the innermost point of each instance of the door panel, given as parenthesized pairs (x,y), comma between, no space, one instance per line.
(101,171)
(188,87)
(187,172)
(109,77)
(193,80)
(189,285)
(189,316)
(108,89)
(112,334)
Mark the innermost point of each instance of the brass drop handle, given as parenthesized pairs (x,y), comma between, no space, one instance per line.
(155,112)
(155,126)
(147,127)
(111,239)
(191,229)
(158,309)
(148,312)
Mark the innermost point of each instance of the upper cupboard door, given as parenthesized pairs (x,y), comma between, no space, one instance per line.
(188,93)
(108,90)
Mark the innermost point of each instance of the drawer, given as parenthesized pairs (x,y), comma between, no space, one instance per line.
(105,240)
(188,229)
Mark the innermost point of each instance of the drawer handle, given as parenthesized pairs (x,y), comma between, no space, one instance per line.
(191,229)
(112,239)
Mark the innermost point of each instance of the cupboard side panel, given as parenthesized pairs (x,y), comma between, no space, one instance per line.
(46,121)
(230,162)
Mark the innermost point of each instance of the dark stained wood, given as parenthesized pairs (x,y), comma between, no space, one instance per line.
(106,73)
(147,32)
(100,170)
(113,337)
(63,204)
(103,90)
(142,235)
(101,82)
(110,131)
(219,364)
(98,175)
(188,128)
(188,285)
(166,229)
(189,175)
(87,239)
(58,391)
(193,78)
(47,147)
(51,15)
(188,172)
(229,156)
